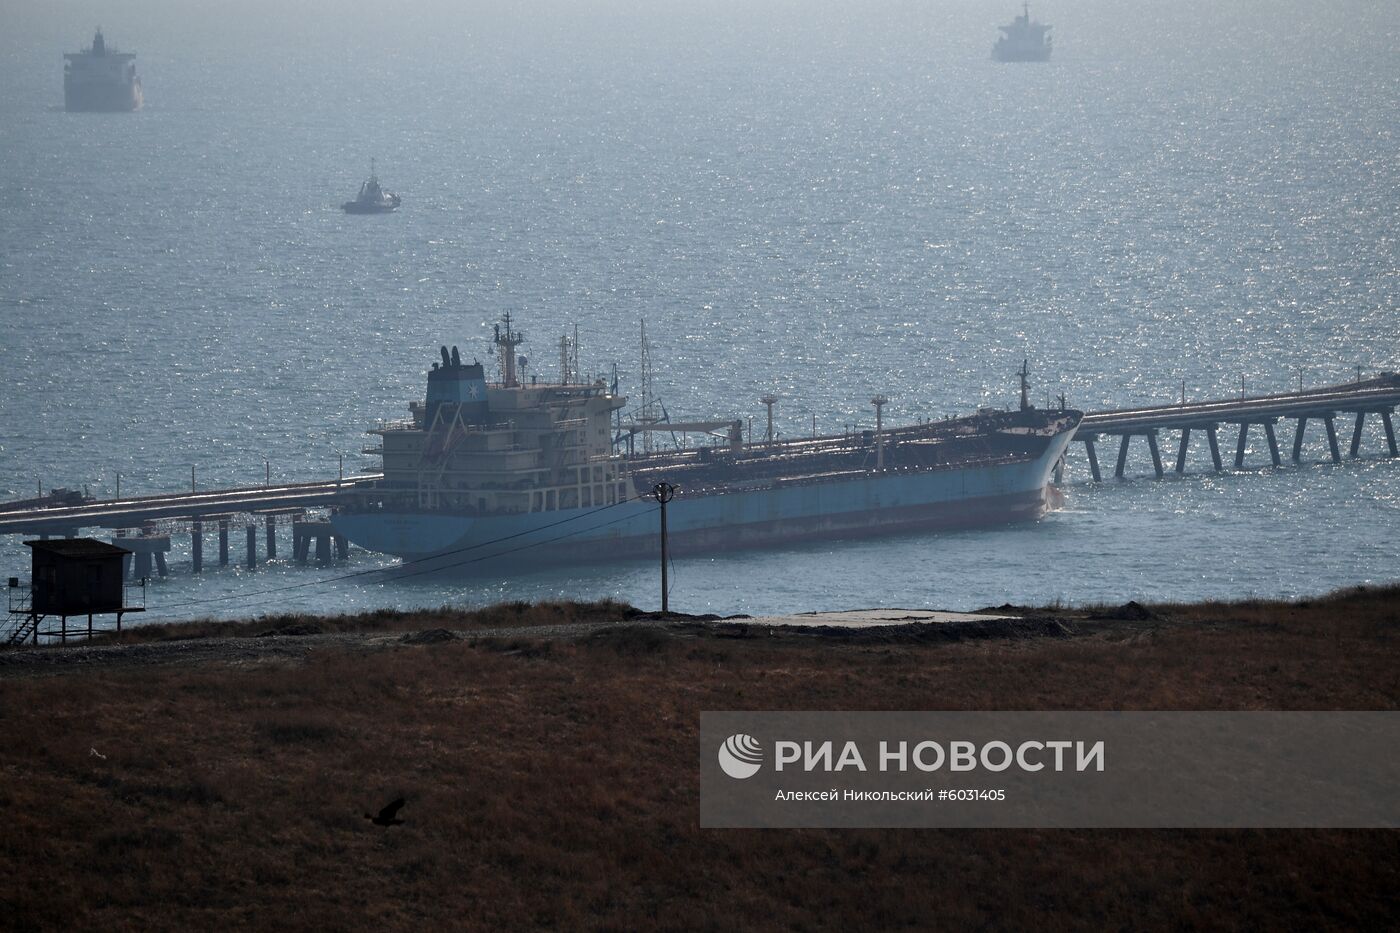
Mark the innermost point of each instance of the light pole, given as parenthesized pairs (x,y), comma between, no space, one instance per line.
(770,401)
(267,472)
(663,493)
(119,484)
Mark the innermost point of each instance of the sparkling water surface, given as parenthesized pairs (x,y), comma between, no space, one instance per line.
(820,200)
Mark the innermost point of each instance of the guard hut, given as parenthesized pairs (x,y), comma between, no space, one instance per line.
(71,577)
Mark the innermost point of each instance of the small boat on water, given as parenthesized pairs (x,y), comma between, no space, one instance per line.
(372,199)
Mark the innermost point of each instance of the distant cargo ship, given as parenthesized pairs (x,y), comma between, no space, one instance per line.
(514,475)
(1024,41)
(101,79)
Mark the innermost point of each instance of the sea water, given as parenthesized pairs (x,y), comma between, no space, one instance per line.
(824,201)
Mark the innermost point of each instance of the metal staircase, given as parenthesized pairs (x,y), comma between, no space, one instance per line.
(23,620)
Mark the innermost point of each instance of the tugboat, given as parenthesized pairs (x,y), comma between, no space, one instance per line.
(372,199)
(1024,41)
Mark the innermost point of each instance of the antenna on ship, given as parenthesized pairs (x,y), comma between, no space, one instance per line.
(506,343)
(1025,384)
(647,414)
(569,369)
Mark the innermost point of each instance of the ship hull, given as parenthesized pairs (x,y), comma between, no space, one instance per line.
(870,505)
(1020,55)
(355,207)
(97,98)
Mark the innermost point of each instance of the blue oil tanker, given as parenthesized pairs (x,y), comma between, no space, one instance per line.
(511,475)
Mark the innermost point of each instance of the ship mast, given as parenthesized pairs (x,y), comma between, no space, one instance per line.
(647,414)
(569,372)
(506,344)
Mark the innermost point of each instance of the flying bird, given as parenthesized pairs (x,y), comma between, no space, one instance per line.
(387,816)
(92,752)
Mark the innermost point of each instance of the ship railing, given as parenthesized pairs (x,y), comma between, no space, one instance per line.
(396,424)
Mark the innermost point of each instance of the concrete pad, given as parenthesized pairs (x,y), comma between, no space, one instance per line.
(874,618)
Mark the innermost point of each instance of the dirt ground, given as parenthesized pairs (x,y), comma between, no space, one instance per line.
(219,774)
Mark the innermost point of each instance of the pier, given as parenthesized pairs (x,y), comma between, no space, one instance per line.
(1376,397)
(143,525)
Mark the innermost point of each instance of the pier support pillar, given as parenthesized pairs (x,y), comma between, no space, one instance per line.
(323,548)
(342,547)
(1181,451)
(1389,433)
(1060,471)
(271,537)
(1356,435)
(143,565)
(197,545)
(1122,456)
(1214,448)
(223,542)
(1093,458)
(1273,442)
(1239,448)
(1298,440)
(1156,455)
(252,546)
(161,567)
(1332,438)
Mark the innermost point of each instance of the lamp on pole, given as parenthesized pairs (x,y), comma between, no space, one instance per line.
(770,401)
(663,493)
(879,402)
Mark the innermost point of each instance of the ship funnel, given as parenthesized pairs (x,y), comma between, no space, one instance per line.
(455,390)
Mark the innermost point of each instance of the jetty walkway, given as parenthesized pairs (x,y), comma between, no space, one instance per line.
(143,524)
(1378,396)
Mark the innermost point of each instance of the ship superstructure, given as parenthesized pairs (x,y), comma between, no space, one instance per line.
(101,79)
(372,199)
(478,449)
(512,475)
(1024,41)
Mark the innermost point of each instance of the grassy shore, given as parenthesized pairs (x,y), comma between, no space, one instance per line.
(549,762)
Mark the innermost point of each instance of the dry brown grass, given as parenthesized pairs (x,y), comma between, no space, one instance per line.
(500,615)
(554,784)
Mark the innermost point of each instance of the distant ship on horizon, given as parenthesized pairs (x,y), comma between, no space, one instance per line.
(99,79)
(1024,41)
